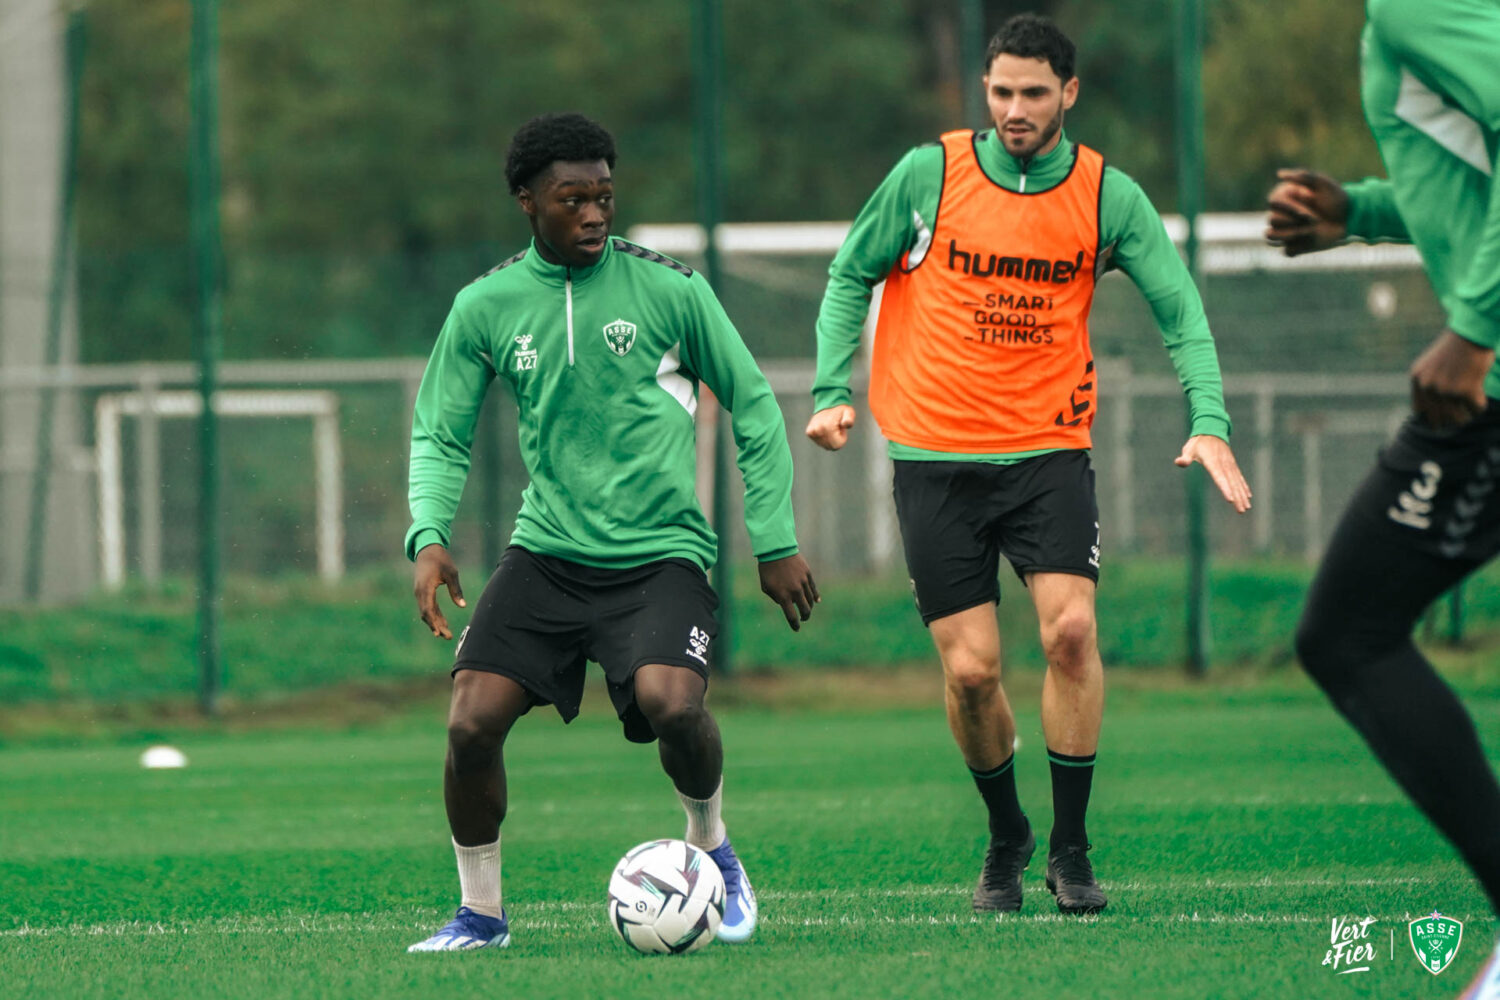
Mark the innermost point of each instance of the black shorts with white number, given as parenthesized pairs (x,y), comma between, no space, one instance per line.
(1426,516)
(958,517)
(541,618)
(1434,492)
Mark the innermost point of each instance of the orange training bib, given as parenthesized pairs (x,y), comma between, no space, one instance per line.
(982,344)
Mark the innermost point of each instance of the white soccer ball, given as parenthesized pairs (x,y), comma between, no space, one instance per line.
(666,897)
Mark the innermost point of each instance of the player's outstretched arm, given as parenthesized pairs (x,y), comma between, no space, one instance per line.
(789,582)
(1305,212)
(1447,381)
(829,428)
(435,568)
(1215,455)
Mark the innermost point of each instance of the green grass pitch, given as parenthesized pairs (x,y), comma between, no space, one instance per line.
(1231,829)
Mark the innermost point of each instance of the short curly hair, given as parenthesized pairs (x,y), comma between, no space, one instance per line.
(547,139)
(1032,36)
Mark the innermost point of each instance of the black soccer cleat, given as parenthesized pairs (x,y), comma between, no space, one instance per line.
(999,889)
(1070,878)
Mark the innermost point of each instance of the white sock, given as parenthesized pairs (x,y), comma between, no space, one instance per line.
(705,828)
(479,877)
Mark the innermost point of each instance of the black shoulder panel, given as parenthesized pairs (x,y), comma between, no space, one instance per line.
(503,265)
(625,246)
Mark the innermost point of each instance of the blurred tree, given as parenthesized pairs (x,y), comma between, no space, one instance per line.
(363,155)
(132,182)
(1281,88)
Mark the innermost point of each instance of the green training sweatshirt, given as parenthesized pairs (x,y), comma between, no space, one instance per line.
(904,207)
(1430,84)
(605,363)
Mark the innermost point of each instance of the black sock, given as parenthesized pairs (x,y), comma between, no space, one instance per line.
(998,787)
(1072,780)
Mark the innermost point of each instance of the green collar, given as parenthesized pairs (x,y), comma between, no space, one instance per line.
(557,274)
(1042,173)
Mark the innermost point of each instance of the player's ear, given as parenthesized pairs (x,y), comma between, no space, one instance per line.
(1070,93)
(527,201)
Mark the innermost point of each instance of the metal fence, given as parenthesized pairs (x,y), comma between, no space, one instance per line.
(315,467)
(314,457)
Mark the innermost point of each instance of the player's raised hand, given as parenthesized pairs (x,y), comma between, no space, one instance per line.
(789,583)
(1447,381)
(1215,455)
(435,569)
(1305,212)
(830,428)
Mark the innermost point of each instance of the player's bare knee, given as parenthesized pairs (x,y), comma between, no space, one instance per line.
(674,717)
(971,677)
(1069,640)
(474,740)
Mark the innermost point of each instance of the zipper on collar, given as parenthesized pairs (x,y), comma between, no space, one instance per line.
(568,292)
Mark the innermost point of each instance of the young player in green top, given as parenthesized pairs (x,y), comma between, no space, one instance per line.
(604,344)
(1428,514)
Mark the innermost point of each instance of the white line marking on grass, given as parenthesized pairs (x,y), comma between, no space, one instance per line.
(560,914)
(383,924)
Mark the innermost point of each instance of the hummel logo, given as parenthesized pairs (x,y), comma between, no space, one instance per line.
(1414,505)
(698,641)
(525,356)
(1087,385)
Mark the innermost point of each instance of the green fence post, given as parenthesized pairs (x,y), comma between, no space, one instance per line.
(203,175)
(971,47)
(1190,159)
(708,58)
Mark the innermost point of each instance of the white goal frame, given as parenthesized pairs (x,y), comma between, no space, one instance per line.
(110,409)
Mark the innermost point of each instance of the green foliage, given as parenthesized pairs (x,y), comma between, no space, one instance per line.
(362,155)
(1281,89)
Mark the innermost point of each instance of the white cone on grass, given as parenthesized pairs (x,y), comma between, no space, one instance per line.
(163,756)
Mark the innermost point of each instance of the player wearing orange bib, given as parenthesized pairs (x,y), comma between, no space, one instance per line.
(983,380)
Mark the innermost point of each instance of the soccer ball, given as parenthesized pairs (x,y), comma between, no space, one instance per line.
(666,897)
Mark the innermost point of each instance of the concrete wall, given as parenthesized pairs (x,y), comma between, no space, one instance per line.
(32,108)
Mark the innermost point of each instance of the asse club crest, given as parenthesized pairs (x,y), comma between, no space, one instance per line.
(1435,939)
(620,336)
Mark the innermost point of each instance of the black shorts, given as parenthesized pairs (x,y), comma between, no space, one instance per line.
(958,517)
(1434,492)
(541,618)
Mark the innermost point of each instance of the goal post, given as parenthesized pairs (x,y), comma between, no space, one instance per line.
(147,406)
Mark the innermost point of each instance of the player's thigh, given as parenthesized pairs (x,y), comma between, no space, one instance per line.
(1425,516)
(665,615)
(1064,606)
(1051,524)
(968,645)
(951,552)
(529,625)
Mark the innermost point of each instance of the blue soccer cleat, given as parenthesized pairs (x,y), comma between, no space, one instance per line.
(739,899)
(468,930)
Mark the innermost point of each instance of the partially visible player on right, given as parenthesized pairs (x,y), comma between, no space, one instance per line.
(1428,515)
